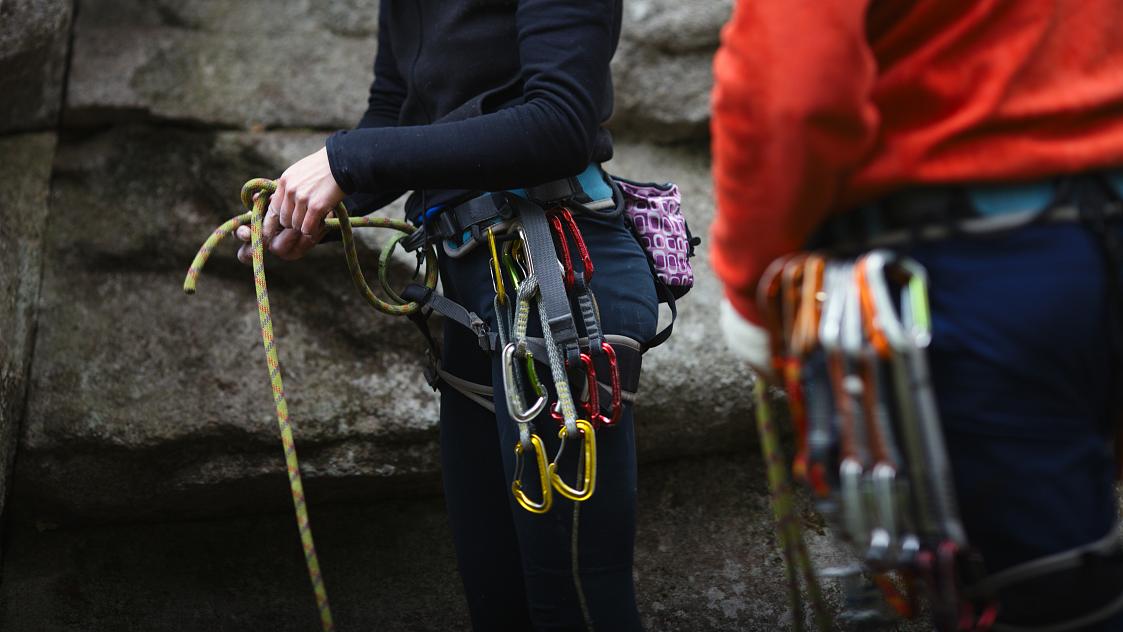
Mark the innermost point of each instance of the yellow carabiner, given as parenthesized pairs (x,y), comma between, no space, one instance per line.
(590,482)
(543,475)
(496,271)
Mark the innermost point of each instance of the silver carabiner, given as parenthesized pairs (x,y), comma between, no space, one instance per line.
(516,406)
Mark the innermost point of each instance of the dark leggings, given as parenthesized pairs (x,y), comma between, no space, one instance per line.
(518,567)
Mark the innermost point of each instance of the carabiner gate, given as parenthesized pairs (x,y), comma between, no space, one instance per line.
(589,482)
(591,404)
(544,474)
(496,272)
(617,395)
(560,218)
(516,405)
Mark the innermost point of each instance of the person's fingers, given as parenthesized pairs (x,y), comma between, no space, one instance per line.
(277,197)
(271,226)
(286,206)
(299,211)
(301,247)
(244,233)
(314,219)
(245,254)
(283,244)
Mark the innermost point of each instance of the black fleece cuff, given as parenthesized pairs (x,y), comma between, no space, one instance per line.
(341,169)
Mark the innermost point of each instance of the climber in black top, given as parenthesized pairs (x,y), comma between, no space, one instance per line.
(471,97)
(480,95)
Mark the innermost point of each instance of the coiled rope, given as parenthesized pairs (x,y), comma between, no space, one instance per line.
(255,217)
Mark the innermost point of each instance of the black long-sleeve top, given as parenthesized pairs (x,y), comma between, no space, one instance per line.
(480,95)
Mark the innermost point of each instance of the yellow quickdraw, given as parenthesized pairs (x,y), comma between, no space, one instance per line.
(496,272)
(543,475)
(590,478)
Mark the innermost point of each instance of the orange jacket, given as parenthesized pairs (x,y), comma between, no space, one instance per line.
(821,105)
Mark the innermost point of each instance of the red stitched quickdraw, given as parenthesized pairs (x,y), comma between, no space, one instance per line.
(617,403)
(560,218)
(591,405)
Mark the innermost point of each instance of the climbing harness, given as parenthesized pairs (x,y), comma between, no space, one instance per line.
(523,237)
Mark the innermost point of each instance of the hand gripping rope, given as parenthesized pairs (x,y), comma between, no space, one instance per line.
(344,223)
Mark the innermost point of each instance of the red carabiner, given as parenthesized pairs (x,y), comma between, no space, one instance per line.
(617,399)
(591,405)
(557,216)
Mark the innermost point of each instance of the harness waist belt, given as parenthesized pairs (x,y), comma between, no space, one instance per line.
(935,213)
(589,191)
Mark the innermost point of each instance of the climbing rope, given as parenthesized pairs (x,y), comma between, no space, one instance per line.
(787,525)
(344,223)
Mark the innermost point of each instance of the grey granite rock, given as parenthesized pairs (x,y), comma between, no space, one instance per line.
(23,218)
(222,64)
(299,63)
(663,68)
(34,37)
(169,404)
(706,560)
(163,398)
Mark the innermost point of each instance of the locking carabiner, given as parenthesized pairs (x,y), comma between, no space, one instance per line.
(589,482)
(516,405)
(544,473)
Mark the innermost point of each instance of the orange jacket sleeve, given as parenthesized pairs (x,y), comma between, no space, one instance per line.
(792,117)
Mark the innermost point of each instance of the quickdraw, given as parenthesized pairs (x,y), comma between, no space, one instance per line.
(520,272)
(262,189)
(868,438)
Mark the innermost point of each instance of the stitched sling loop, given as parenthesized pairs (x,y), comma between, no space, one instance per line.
(344,223)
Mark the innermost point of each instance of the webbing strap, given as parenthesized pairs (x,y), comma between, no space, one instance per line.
(554,302)
(452,310)
(478,393)
(665,296)
(552,192)
(588,311)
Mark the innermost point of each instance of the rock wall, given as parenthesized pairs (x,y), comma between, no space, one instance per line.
(149,489)
(169,103)
(33,49)
(34,37)
(23,218)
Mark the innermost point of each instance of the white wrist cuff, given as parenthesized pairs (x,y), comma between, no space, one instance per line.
(747,341)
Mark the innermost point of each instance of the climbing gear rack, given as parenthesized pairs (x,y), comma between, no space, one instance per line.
(848,344)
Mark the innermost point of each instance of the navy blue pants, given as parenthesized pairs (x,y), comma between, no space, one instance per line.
(1025,380)
(517,567)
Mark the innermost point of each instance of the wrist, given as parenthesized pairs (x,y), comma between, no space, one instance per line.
(337,163)
(748,340)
